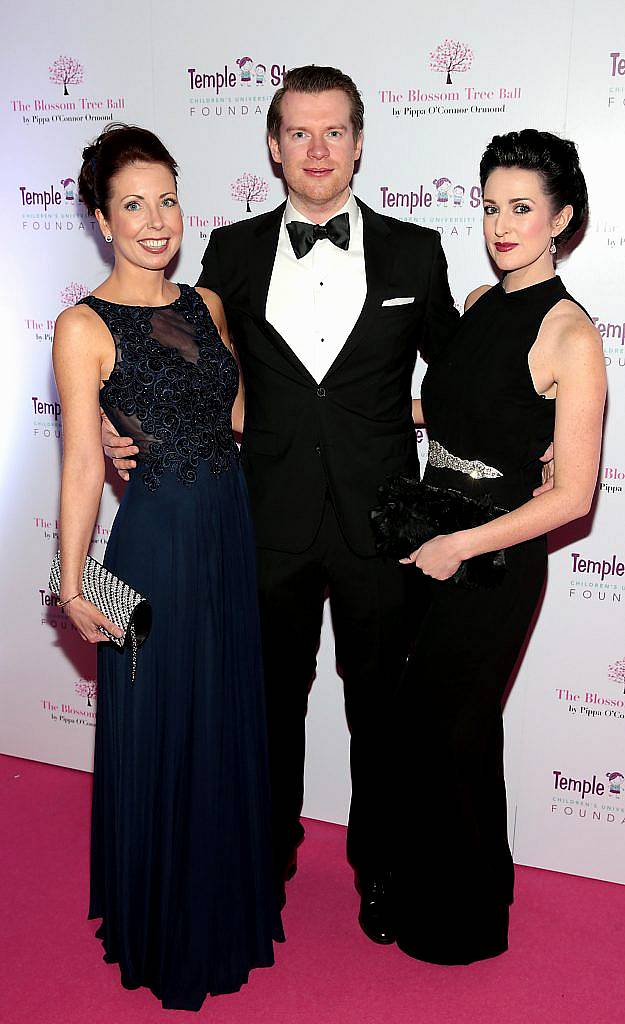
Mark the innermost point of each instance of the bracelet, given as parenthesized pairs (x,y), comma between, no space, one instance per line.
(63,603)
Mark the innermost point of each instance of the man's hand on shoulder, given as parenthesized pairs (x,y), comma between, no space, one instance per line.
(119,449)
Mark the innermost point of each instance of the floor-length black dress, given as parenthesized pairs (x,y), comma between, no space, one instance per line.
(180,858)
(487,426)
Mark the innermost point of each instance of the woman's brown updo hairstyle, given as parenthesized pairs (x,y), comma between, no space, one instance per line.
(116,147)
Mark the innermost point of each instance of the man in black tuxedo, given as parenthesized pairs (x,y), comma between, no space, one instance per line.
(327,323)
(327,303)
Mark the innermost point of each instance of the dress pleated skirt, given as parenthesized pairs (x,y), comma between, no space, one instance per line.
(181,870)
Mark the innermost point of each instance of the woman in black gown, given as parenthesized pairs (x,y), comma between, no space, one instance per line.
(180,854)
(524,367)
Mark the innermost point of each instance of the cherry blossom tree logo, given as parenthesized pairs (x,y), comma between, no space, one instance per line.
(451,55)
(249,188)
(66,71)
(616,673)
(88,689)
(73,293)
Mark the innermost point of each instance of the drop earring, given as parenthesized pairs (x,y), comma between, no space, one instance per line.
(552,247)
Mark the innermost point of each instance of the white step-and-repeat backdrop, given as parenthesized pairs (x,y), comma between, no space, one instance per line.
(438,82)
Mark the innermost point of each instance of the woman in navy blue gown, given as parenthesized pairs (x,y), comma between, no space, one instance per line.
(180,855)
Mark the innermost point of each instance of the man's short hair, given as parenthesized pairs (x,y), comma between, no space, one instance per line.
(313,79)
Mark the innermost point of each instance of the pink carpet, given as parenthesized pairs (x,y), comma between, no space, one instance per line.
(566,964)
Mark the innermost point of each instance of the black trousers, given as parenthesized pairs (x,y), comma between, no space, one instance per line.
(374,606)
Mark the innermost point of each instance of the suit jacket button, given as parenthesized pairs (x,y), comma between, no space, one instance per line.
(321,392)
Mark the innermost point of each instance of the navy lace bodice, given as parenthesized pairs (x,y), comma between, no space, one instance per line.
(172,387)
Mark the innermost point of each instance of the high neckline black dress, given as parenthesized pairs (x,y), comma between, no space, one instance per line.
(181,863)
(453,874)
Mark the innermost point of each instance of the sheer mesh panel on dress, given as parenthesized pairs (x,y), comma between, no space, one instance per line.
(169,332)
(172,387)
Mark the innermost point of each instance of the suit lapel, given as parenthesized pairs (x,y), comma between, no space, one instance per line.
(261,257)
(379,260)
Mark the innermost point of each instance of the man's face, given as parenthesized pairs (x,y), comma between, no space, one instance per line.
(316,148)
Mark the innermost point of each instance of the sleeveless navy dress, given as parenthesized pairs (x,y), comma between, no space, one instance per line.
(181,870)
(453,874)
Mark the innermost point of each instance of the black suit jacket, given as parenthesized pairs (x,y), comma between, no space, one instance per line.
(347,434)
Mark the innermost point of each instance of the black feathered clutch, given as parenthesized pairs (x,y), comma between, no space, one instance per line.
(411,513)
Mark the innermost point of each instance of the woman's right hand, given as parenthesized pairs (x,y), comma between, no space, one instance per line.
(89,621)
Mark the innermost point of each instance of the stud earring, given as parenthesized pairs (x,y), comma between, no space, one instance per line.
(552,247)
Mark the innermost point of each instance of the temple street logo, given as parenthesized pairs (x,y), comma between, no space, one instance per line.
(589,799)
(612,331)
(584,787)
(46,418)
(616,91)
(239,89)
(597,578)
(53,206)
(449,206)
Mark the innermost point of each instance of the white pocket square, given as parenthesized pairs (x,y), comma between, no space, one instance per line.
(399,302)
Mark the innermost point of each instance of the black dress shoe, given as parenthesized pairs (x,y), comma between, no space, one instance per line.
(375,917)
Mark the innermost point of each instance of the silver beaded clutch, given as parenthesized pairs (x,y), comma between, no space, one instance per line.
(119,602)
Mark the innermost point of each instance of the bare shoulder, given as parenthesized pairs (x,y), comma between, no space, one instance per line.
(573,347)
(74,318)
(476,294)
(79,325)
(566,326)
(214,304)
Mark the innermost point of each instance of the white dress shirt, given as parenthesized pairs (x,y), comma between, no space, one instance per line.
(315,301)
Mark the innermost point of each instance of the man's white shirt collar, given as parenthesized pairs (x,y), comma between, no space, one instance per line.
(314,302)
(350,207)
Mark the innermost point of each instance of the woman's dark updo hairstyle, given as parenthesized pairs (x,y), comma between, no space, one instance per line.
(116,147)
(556,161)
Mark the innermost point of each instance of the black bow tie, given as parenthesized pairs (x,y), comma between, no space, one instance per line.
(303,236)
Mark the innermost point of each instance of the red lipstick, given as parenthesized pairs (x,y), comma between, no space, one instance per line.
(505,246)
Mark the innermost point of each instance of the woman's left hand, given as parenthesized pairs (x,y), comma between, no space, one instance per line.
(439,557)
